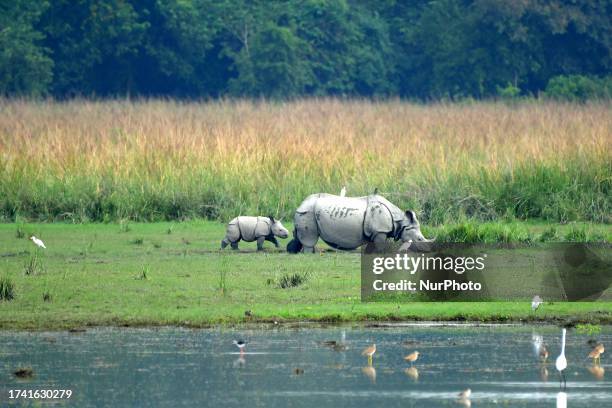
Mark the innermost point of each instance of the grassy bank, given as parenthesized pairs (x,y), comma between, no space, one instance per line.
(164,160)
(165,273)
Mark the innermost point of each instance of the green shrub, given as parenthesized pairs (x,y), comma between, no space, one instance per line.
(579,88)
(576,234)
(509,91)
(550,235)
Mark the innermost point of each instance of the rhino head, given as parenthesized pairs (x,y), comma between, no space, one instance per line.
(278,229)
(410,234)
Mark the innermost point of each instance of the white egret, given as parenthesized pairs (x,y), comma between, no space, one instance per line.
(561,363)
(343,191)
(38,242)
(536,302)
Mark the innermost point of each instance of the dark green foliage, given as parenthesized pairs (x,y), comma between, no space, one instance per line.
(292,280)
(579,88)
(25,66)
(281,49)
(7,288)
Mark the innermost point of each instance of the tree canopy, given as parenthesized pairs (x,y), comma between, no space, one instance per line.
(421,49)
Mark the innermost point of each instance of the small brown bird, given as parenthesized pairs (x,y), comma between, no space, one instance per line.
(544,353)
(596,353)
(412,357)
(465,394)
(464,398)
(369,351)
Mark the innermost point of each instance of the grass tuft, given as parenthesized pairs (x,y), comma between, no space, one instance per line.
(7,288)
(292,280)
(34,264)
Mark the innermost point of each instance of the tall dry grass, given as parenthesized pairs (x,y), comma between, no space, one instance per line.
(160,159)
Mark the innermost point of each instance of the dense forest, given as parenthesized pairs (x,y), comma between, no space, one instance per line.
(417,49)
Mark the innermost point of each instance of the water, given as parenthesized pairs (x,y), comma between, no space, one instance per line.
(298,366)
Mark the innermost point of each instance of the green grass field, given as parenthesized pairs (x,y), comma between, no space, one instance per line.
(173,274)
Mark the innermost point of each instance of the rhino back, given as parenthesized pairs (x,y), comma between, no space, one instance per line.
(247,226)
(340,220)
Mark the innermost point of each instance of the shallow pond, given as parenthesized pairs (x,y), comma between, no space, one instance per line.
(307,366)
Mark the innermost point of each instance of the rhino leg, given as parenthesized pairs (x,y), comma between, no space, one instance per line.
(234,245)
(380,241)
(309,249)
(224,242)
(273,240)
(260,242)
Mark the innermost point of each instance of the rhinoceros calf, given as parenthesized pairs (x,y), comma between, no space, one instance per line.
(349,222)
(251,229)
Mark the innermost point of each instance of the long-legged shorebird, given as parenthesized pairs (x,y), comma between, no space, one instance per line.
(464,398)
(369,351)
(241,344)
(543,353)
(561,363)
(596,353)
(412,357)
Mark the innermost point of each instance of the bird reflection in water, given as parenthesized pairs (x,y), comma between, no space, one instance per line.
(597,371)
(543,373)
(370,372)
(561,400)
(413,373)
(240,361)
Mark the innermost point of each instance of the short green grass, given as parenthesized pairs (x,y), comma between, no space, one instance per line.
(95,274)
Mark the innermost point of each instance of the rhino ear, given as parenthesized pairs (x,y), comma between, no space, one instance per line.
(271,219)
(411,216)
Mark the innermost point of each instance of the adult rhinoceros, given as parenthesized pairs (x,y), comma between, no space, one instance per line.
(349,222)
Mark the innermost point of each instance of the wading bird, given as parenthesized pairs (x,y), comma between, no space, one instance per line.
(536,302)
(543,353)
(241,344)
(343,192)
(369,351)
(412,357)
(596,353)
(561,363)
(38,242)
(465,394)
(464,398)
